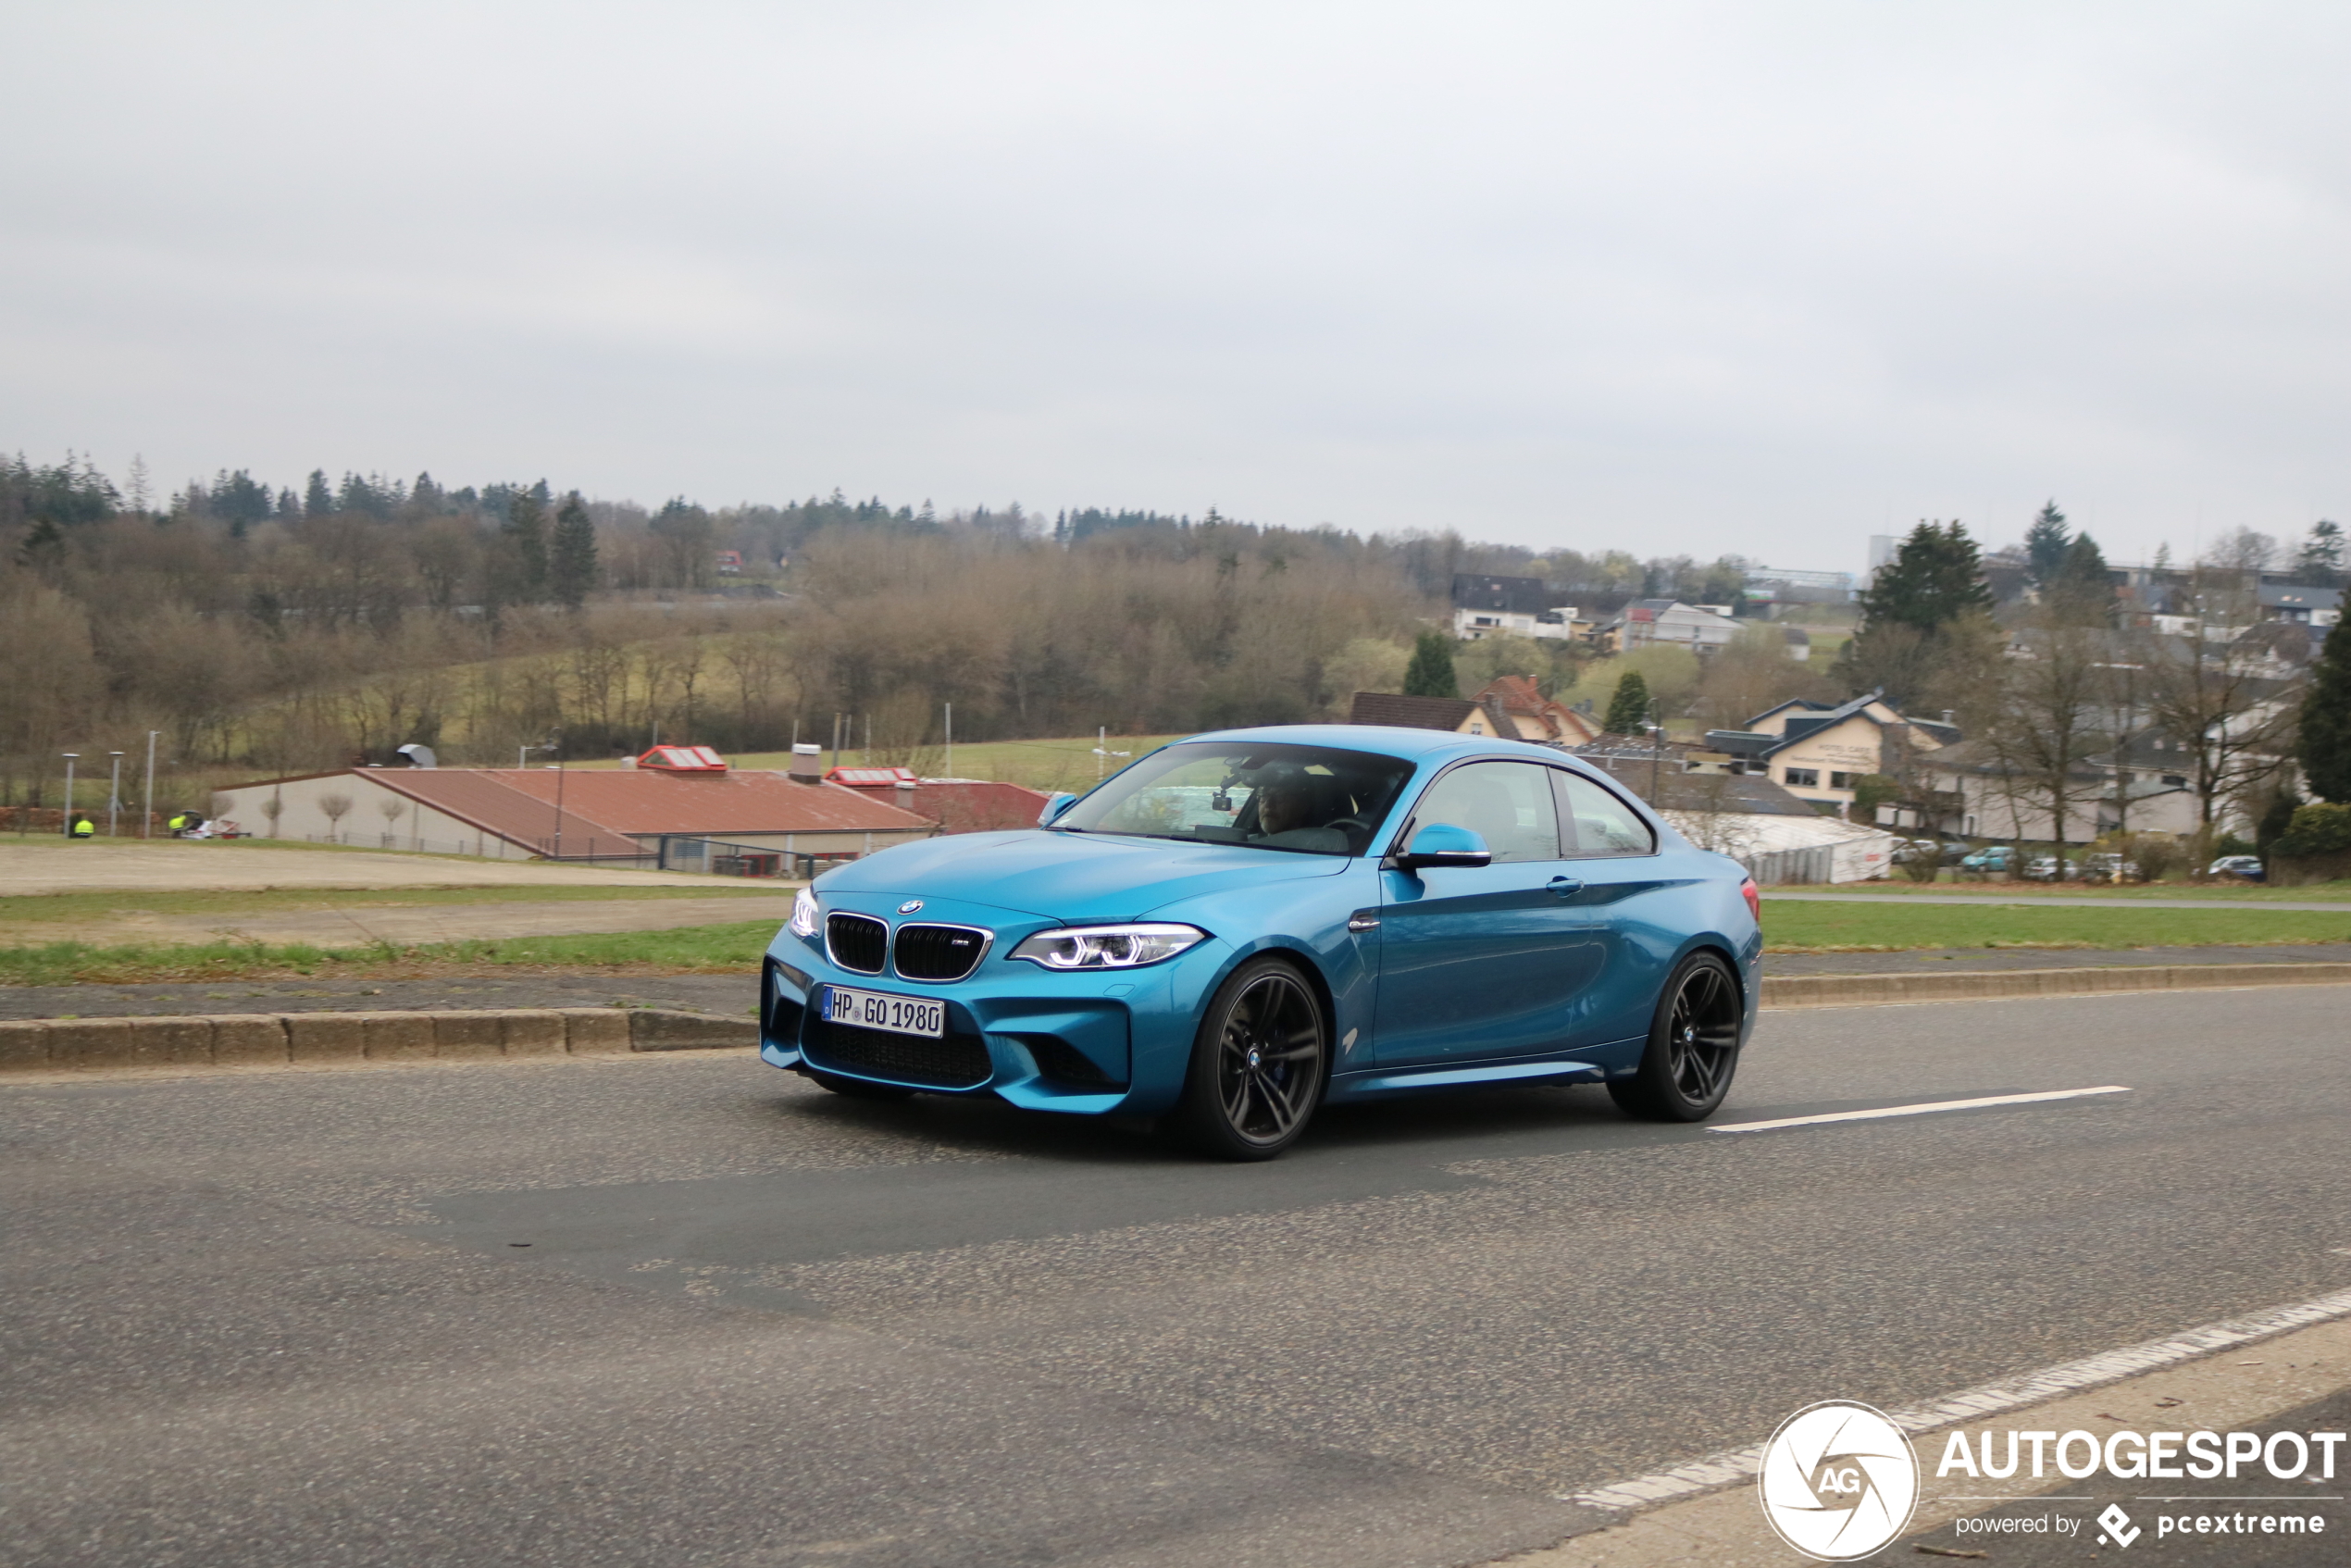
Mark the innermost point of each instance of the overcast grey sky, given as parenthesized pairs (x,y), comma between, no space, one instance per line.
(1755,278)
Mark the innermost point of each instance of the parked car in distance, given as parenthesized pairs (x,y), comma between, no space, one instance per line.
(1996,858)
(2106,867)
(1909,850)
(1957,850)
(2044,868)
(2248,866)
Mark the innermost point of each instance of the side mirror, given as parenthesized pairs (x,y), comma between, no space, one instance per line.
(1054,807)
(1441,844)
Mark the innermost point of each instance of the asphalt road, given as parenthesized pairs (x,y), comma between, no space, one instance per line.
(690,1310)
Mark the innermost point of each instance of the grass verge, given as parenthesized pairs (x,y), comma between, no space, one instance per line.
(2026,892)
(22,915)
(689,950)
(1893,926)
(736,946)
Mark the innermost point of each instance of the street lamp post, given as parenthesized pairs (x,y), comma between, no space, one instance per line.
(557,747)
(114,793)
(71,757)
(148,801)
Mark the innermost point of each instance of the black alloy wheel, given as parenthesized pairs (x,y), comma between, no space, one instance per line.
(1693,1049)
(1258,1065)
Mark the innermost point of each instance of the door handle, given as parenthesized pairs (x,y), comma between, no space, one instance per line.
(1565,886)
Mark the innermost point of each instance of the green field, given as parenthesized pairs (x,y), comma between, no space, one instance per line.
(2218,893)
(1888,926)
(736,947)
(24,919)
(733,948)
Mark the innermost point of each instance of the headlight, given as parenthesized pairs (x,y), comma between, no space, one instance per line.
(1107,947)
(804,914)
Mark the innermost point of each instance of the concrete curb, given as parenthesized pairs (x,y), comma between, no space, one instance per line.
(326,1039)
(1859,991)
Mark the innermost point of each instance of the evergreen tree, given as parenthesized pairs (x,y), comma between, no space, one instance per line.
(1628,711)
(1934,579)
(2045,545)
(1431,672)
(239,500)
(571,565)
(317,499)
(525,529)
(1925,619)
(2326,719)
(2320,561)
(2081,591)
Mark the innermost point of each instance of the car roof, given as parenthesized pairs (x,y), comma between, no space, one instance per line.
(1412,745)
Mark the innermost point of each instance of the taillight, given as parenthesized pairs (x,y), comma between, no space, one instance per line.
(1754,897)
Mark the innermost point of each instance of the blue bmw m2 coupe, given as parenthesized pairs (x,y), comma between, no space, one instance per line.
(1244,926)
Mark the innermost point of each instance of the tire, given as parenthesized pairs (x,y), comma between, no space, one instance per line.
(1693,1049)
(1258,1064)
(857,1088)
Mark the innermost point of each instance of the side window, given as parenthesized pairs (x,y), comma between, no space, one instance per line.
(1597,822)
(1507,803)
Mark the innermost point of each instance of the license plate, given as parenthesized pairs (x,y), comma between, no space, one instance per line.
(879,1010)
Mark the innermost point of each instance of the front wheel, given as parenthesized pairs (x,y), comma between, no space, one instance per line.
(1693,1049)
(1257,1066)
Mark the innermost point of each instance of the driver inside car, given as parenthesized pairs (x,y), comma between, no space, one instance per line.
(1291,816)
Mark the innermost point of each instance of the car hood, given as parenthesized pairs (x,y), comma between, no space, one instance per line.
(1070,876)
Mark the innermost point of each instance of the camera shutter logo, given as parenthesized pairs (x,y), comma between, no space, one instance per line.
(1839,1481)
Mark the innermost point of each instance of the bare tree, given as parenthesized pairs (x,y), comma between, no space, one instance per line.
(391,806)
(336,807)
(273,808)
(2046,722)
(2230,724)
(1705,809)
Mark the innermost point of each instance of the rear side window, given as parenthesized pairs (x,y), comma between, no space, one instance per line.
(1595,822)
(1507,803)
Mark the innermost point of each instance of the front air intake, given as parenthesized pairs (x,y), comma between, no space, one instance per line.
(939,953)
(856,943)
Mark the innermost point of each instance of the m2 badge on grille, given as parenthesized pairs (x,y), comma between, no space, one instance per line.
(877,1010)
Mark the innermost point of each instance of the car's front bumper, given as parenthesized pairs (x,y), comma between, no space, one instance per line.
(1086,1042)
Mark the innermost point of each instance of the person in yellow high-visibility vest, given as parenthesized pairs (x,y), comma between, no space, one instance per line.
(83,828)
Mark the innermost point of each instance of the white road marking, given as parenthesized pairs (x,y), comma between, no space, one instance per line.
(1733,1465)
(1919,1110)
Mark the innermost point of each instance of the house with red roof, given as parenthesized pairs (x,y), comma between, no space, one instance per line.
(661,811)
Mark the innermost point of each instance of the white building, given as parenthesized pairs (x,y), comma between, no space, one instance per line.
(1648,622)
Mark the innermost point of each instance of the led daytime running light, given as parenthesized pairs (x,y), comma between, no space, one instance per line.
(1107,947)
(804,914)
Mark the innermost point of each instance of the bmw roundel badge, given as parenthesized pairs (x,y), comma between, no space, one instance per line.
(910,906)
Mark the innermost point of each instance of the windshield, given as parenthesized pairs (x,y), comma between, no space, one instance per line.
(1300,800)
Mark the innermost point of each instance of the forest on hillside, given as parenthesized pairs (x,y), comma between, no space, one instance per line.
(265,630)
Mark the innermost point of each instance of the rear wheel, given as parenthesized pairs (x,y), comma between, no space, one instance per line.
(1693,1049)
(1256,1064)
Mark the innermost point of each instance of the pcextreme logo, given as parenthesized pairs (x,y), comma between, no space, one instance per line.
(1839,1481)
